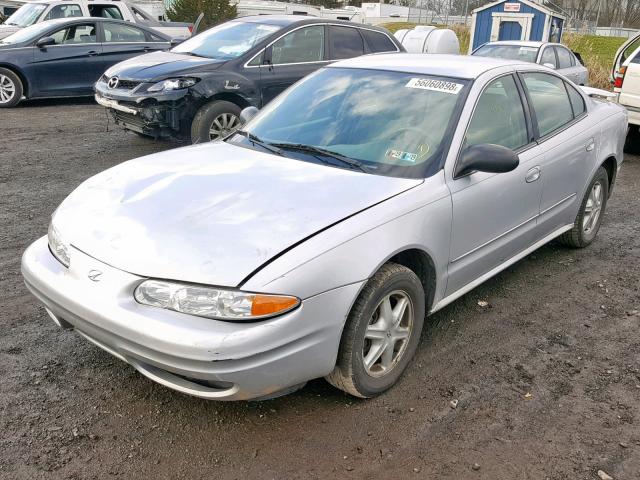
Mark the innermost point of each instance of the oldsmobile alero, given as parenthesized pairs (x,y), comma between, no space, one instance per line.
(315,241)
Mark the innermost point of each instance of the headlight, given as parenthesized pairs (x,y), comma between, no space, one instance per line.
(58,247)
(173,84)
(213,302)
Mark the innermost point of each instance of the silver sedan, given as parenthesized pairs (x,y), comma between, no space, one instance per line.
(315,241)
(553,55)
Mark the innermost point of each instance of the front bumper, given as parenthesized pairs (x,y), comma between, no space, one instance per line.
(206,358)
(157,114)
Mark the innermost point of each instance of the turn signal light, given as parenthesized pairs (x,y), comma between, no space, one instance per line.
(267,305)
(620,77)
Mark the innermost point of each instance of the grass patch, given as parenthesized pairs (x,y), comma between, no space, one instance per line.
(597,52)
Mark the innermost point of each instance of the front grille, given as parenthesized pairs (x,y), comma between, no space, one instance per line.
(127,84)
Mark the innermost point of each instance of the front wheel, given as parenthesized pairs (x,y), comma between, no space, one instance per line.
(381,334)
(215,121)
(587,222)
(11,89)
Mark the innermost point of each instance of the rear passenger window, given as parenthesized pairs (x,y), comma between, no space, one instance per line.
(550,101)
(498,117)
(378,42)
(577,102)
(548,56)
(118,33)
(346,42)
(564,57)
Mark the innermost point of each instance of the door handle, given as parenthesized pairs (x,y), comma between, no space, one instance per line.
(591,144)
(533,174)
(93,53)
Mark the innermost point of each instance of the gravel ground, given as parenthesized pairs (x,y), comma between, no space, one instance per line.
(546,377)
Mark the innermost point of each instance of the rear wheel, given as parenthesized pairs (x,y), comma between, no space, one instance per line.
(11,89)
(215,121)
(589,218)
(381,334)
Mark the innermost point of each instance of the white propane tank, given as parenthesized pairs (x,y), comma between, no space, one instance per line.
(428,39)
(400,34)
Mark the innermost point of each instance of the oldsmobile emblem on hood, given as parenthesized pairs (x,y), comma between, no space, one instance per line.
(94,275)
(113,82)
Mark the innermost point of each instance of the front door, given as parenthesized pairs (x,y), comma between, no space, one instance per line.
(72,65)
(510,31)
(292,57)
(494,214)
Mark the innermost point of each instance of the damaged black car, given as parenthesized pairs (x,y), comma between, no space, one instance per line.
(196,90)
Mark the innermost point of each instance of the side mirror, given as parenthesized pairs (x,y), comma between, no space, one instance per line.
(549,65)
(486,158)
(247,114)
(45,42)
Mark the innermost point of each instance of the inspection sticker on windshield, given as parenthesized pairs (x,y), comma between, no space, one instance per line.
(435,85)
(400,155)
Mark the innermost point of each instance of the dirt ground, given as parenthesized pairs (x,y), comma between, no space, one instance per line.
(547,376)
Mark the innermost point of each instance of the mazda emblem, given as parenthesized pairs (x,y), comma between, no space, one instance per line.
(113,82)
(94,275)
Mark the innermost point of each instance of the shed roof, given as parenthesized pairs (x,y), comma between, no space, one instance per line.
(537,6)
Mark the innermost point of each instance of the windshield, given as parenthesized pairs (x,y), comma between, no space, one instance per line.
(26,15)
(27,34)
(510,52)
(226,41)
(389,123)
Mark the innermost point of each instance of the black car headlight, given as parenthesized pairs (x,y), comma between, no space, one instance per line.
(173,84)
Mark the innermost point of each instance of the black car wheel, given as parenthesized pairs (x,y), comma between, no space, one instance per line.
(10,89)
(214,121)
(381,334)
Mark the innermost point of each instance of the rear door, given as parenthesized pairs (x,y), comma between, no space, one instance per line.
(567,65)
(72,65)
(569,144)
(290,58)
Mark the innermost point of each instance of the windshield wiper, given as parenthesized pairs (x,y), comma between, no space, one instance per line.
(319,152)
(256,141)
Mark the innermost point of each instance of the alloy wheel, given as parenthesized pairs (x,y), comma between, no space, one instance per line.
(223,125)
(387,334)
(593,208)
(7,89)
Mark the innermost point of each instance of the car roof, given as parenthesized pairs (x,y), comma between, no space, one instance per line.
(521,43)
(285,20)
(458,66)
(72,20)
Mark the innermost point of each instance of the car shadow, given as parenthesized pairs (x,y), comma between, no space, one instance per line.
(52,102)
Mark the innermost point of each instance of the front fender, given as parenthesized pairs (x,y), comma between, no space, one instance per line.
(230,86)
(353,250)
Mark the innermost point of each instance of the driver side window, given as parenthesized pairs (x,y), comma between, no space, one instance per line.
(498,117)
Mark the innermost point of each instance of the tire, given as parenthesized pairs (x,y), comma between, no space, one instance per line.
(11,89)
(632,142)
(203,122)
(585,228)
(350,374)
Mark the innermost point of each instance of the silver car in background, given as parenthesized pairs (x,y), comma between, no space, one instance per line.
(552,55)
(315,241)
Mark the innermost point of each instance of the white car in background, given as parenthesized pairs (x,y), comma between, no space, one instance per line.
(552,55)
(625,77)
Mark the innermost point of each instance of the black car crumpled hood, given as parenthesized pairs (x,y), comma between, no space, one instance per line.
(160,65)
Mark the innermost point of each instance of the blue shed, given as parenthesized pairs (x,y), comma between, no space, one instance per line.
(515,20)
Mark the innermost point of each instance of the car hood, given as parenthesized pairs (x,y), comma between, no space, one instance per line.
(6,30)
(159,65)
(211,214)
